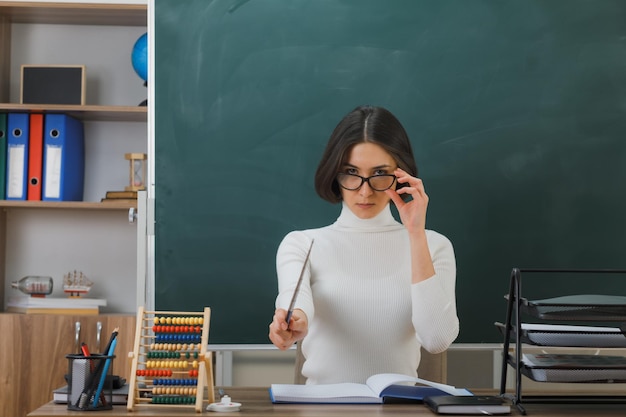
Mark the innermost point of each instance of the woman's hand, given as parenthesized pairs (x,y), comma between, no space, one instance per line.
(413,216)
(283,336)
(412,213)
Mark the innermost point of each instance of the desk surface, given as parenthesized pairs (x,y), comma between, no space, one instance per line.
(256,402)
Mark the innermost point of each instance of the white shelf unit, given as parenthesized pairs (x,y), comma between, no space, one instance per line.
(40,238)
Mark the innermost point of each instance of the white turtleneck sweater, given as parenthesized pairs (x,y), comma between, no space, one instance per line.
(365,316)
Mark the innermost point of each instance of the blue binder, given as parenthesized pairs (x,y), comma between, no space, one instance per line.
(3,155)
(63,158)
(17,156)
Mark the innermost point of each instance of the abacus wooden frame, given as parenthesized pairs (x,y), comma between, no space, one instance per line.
(205,383)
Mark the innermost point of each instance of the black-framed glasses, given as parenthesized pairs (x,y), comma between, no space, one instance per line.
(353,182)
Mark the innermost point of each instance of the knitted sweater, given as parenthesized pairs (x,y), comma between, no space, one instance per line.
(365,316)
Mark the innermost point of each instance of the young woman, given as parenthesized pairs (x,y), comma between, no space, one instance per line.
(374,290)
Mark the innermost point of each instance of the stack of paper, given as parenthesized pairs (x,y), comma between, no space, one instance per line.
(578,336)
(119,395)
(575,368)
(53,305)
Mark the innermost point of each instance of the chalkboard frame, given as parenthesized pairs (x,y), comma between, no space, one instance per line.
(514,110)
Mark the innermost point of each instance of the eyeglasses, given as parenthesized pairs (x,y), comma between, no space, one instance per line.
(353,182)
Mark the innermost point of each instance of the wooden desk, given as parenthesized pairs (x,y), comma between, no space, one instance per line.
(256,402)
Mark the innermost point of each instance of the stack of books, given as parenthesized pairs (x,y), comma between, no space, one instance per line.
(55,305)
(120,197)
(119,395)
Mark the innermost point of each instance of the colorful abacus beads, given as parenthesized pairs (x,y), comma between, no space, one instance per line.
(170,364)
(173,391)
(154,372)
(173,359)
(164,399)
(178,329)
(175,346)
(186,338)
(163,355)
(177,381)
(179,320)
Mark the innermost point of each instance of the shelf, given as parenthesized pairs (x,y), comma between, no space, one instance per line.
(66,205)
(57,236)
(86,113)
(76,13)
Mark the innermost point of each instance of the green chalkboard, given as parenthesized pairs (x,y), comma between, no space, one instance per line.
(516,110)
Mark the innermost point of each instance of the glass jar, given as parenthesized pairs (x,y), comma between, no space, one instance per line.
(36,286)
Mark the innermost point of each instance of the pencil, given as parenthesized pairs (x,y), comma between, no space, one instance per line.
(91,385)
(103,376)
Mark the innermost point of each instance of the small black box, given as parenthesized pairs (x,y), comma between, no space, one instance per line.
(53,84)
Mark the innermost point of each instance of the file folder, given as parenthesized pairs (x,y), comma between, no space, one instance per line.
(17,156)
(3,155)
(35,157)
(63,158)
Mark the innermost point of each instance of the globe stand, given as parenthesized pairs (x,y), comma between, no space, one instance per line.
(145,102)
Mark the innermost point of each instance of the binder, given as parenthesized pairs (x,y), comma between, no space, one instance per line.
(17,156)
(3,155)
(35,157)
(63,158)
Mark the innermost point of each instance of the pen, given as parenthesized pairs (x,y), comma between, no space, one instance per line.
(85,349)
(104,373)
(295,292)
(113,336)
(90,387)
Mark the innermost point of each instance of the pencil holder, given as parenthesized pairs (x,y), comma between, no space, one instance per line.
(89,382)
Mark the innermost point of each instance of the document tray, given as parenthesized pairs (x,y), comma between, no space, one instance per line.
(577,307)
(568,336)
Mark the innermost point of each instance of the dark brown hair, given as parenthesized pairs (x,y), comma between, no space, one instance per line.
(364,124)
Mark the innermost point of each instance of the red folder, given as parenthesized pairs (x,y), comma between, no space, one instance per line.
(35,157)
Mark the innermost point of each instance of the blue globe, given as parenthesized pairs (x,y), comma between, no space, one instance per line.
(139,57)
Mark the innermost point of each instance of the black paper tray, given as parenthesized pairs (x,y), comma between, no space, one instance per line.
(568,336)
(588,376)
(573,368)
(577,307)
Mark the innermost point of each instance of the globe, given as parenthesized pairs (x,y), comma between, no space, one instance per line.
(139,57)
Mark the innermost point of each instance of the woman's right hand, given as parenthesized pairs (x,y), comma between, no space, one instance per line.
(284,335)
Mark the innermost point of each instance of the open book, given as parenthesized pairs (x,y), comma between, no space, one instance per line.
(377,389)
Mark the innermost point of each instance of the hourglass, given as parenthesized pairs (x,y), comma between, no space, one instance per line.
(137,171)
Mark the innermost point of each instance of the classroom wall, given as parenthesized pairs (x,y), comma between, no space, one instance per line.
(469,365)
(104,50)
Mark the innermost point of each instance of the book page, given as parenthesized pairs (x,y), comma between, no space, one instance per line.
(381,381)
(344,392)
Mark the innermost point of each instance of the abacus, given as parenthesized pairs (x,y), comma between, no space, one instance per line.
(170,363)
